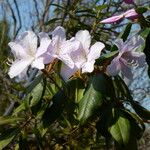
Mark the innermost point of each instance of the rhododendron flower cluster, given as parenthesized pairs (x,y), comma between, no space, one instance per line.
(75,53)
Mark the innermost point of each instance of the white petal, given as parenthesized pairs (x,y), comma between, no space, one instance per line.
(140,58)
(85,38)
(114,68)
(38,63)
(126,71)
(66,59)
(67,72)
(120,44)
(44,43)
(88,67)
(18,67)
(134,42)
(59,32)
(18,50)
(69,50)
(95,51)
(29,40)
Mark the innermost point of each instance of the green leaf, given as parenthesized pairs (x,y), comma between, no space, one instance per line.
(32,97)
(10,120)
(35,94)
(124,35)
(109,55)
(93,97)
(121,89)
(101,7)
(104,122)
(52,21)
(121,128)
(141,10)
(34,83)
(54,110)
(7,136)
(141,111)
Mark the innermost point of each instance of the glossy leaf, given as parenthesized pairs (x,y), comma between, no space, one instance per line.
(141,111)
(124,35)
(121,128)
(93,97)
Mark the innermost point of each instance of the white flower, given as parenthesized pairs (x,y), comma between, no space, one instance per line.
(127,57)
(81,55)
(26,52)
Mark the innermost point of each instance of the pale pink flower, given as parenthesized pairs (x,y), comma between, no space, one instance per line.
(130,14)
(82,56)
(26,52)
(127,57)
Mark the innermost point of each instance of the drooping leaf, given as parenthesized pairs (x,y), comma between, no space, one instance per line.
(7,136)
(120,128)
(141,111)
(93,97)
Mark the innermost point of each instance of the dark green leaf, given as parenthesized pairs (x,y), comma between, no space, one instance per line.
(7,136)
(124,35)
(141,10)
(55,109)
(52,21)
(93,97)
(141,111)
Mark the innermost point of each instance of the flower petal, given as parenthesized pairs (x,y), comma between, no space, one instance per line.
(88,66)
(134,42)
(18,50)
(29,41)
(69,52)
(114,68)
(113,19)
(131,14)
(44,43)
(59,32)
(38,63)
(85,38)
(140,58)
(67,72)
(126,71)
(18,67)
(95,51)
(120,44)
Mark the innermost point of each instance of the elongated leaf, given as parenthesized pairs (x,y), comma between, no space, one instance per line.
(52,21)
(147,52)
(7,136)
(93,97)
(10,120)
(124,35)
(141,111)
(121,128)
